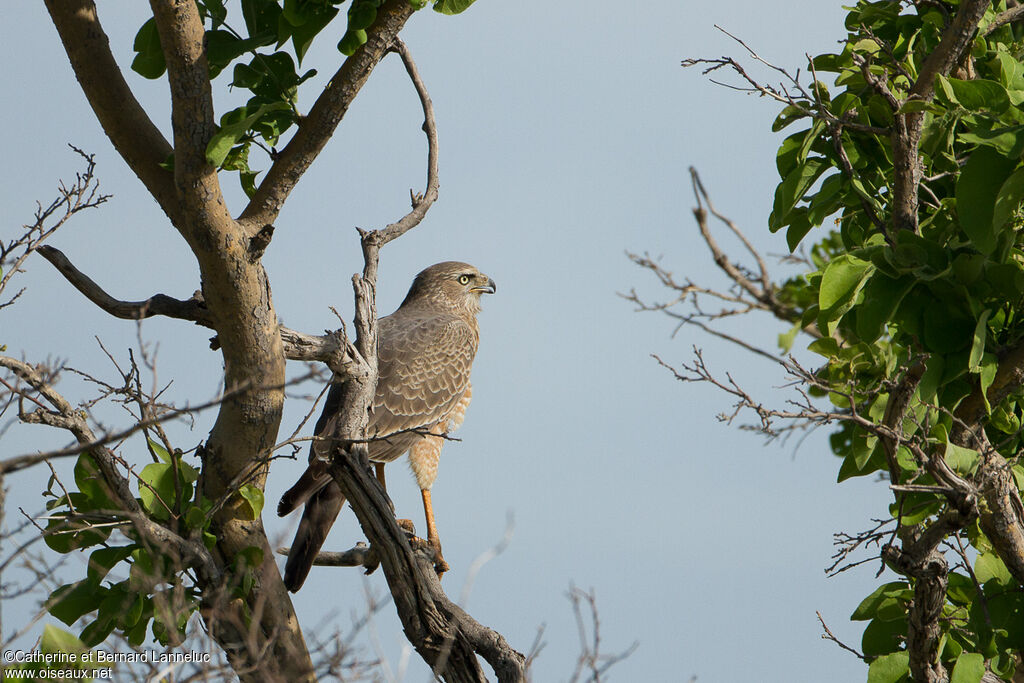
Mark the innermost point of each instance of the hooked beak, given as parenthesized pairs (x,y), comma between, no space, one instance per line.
(489,288)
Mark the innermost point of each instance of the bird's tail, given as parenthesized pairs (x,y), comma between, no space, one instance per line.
(312,480)
(321,510)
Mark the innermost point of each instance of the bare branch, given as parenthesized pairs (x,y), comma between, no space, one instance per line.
(591,659)
(421,203)
(193,309)
(72,198)
(828,635)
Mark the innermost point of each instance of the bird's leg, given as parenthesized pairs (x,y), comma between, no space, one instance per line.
(406,524)
(378,468)
(433,540)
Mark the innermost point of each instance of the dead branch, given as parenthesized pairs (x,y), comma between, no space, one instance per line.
(332,348)
(193,309)
(828,635)
(72,198)
(591,660)
(421,203)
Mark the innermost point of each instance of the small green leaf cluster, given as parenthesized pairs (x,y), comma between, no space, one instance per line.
(158,596)
(62,651)
(945,298)
(272,77)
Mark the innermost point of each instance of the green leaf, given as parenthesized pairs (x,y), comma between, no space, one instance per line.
(989,367)
(361,15)
(221,143)
(826,346)
(869,606)
(842,280)
(1007,140)
(452,6)
(248,182)
(254,496)
(223,47)
(980,95)
(56,640)
(101,561)
(261,16)
(799,226)
(931,380)
(64,535)
(159,450)
(1008,201)
(785,339)
(244,76)
(963,460)
(98,631)
(827,200)
(969,668)
(72,600)
(91,484)
(947,329)
(882,296)
(961,589)
(351,41)
(882,636)
(157,489)
(793,188)
(786,157)
(976,191)
(317,18)
(149,62)
(988,567)
(891,668)
(978,343)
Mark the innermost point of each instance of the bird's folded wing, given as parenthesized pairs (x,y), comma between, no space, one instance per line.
(424,365)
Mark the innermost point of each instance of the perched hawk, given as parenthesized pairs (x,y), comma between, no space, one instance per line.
(425,351)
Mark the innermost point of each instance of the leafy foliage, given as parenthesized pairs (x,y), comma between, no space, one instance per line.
(943,300)
(157,596)
(264,47)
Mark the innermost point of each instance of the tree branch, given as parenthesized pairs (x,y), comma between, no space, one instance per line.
(907,127)
(332,348)
(116,485)
(192,118)
(421,203)
(193,309)
(444,634)
(1003,18)
(139,142)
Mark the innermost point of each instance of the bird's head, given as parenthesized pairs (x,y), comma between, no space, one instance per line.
(453,283)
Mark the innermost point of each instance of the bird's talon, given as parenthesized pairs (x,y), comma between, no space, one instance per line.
(371,561)
(407,526)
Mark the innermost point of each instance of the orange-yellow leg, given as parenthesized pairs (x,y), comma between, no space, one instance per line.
(379,469)
(440,566)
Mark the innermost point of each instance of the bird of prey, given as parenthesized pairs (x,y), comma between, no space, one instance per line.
(425,352)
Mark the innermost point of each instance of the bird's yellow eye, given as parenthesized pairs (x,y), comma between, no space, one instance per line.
(463,279)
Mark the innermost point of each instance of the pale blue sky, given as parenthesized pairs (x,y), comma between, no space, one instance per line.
(566,131)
